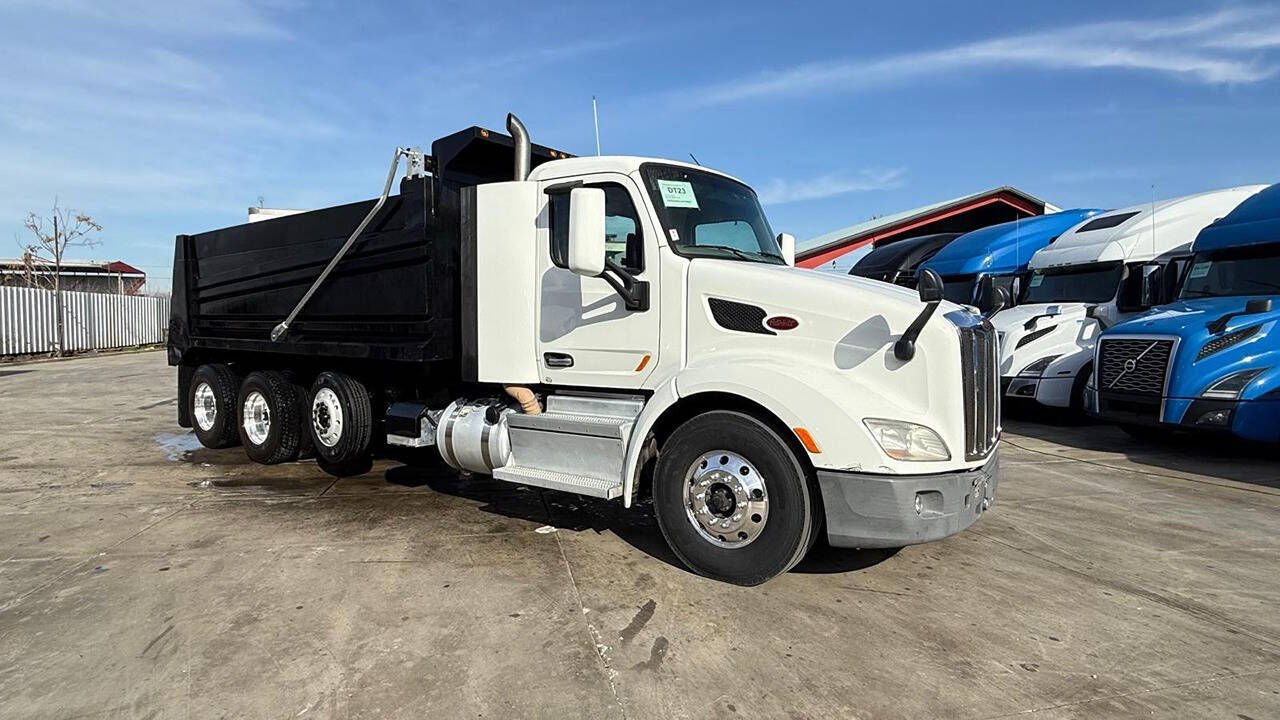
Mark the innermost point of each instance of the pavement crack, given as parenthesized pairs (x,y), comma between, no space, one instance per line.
(1116,696)
(597,642)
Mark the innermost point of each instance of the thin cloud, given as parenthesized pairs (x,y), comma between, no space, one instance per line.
(1191,47)
(780,192)
(201,18)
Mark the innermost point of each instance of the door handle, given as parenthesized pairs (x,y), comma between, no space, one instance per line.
(557,360)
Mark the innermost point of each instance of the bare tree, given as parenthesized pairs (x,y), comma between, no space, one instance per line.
(53,235)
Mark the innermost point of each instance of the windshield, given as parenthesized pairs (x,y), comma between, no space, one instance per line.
(709,215)
(1234,271)
(1096,283)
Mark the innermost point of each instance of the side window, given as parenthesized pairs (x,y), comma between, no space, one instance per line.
(623,240)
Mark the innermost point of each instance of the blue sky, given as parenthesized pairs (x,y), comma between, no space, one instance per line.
(159,118)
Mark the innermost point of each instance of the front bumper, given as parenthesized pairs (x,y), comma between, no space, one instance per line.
(865,510)
(1257,420)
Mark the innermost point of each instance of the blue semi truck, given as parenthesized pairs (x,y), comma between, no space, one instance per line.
(1000,252)
(1210,360)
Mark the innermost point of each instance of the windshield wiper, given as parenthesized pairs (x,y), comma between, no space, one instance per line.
(744,254)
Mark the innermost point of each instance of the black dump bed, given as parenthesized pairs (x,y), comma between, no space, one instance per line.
(393,297)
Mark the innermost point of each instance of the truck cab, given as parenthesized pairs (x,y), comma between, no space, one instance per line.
(623,328)
(999,253)
(1209,360)
(1096,274)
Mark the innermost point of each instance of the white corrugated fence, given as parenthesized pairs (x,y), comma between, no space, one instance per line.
(94,321)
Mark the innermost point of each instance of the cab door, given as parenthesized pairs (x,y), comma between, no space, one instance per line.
(586,334)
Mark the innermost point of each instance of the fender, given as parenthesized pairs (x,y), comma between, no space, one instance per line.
(792,394)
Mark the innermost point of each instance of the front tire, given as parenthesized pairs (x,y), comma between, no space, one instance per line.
(269,426)
(732,500)
(212,397)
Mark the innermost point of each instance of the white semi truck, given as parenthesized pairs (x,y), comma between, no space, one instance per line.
(1101,271)
(618,327)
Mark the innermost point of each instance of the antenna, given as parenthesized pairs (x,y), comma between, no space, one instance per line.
(1017,239)
(595,116)
(1153,221)
(695,160)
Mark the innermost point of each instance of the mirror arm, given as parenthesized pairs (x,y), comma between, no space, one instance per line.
(905,348)
(634,292)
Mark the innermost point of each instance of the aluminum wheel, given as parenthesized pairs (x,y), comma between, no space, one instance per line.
(205,407)
(326,417)
(257,418)
(726,499)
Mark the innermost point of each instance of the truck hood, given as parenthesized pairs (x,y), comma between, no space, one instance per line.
(1060,329)
(1189,319)
(1013,319)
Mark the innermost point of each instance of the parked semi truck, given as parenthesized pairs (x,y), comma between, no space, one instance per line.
(997,256)
(898,262)
(1098,273)
(1210,360)
(617,327)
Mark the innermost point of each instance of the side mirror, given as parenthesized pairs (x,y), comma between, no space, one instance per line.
(1152,285)
(999,301)
(586,231)
(929,285)
(787,242)
(983,292)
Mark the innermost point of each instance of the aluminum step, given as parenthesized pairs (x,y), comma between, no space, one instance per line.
(607,488)
(567,423)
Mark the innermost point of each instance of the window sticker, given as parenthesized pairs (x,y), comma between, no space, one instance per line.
(1036,280)
(1200,269)
(675,236)
(678,194)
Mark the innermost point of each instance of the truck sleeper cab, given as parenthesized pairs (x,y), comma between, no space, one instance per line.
(998,252)
(615,327)
(1096,274)
(1210,360)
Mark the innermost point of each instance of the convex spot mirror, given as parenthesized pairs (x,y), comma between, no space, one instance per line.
(586,231)
(929,285)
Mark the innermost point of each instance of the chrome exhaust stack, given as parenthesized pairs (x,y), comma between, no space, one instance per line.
(523,149)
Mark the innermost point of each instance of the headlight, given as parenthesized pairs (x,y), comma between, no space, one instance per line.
(1230,387)
(907,441)
(1037,368)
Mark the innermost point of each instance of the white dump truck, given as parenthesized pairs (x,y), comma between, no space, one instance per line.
(1101,271)
(618,327)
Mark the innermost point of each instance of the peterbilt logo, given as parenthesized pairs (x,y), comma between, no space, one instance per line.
(1130,364)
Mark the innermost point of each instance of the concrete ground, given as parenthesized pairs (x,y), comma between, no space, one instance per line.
(142,577)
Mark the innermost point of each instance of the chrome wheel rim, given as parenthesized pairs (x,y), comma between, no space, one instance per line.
(257,418)
(205,407)
(725,499)
(326,417)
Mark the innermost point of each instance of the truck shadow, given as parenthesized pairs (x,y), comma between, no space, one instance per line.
(635,526)
(1220,456)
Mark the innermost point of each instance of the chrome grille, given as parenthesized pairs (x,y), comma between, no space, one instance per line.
(1133,365)
(979,360)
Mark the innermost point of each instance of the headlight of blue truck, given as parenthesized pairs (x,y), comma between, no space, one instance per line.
(907,441)
(1230,387)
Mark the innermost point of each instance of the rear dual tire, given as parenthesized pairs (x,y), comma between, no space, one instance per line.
(340,422)
(270,428)
(212,399)
(732,499)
